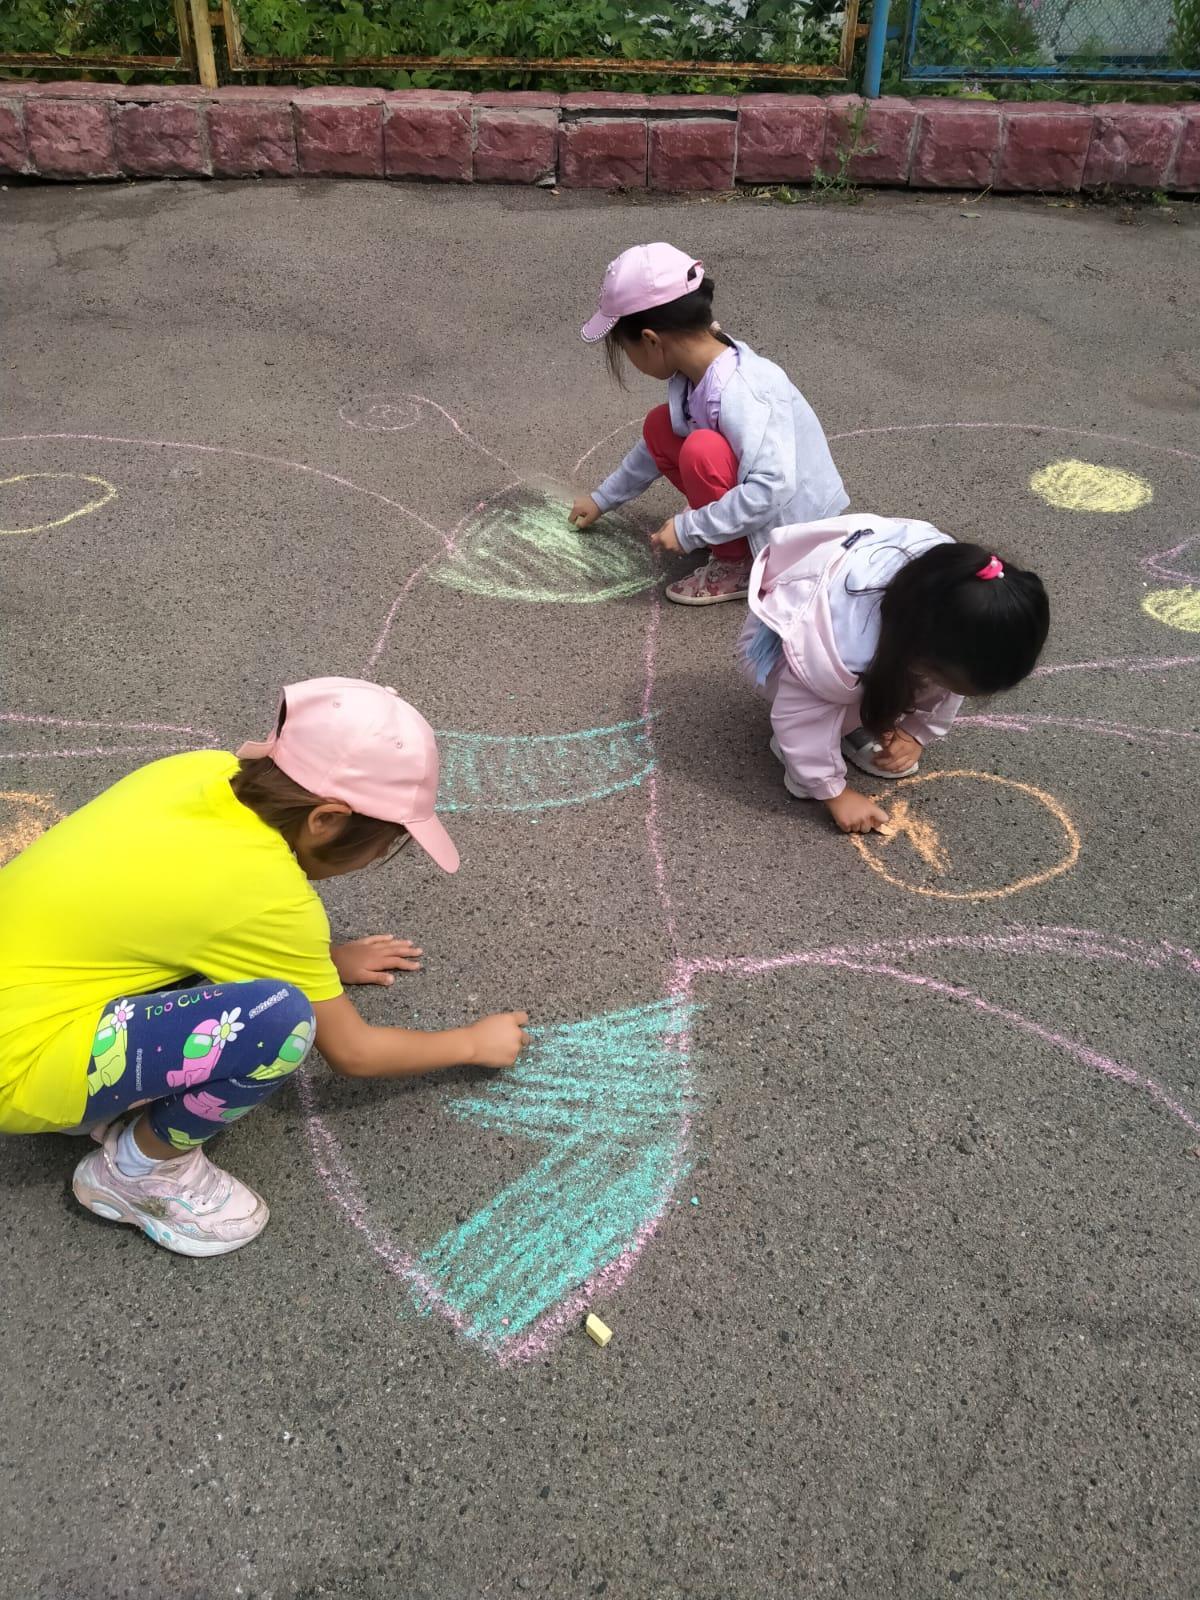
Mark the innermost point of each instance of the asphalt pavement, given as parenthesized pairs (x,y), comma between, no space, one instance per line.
(880,1162)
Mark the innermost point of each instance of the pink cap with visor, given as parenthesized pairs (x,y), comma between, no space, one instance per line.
(358,742)
(647,275)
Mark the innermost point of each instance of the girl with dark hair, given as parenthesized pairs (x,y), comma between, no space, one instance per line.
(165,963)
(736,438)
(866,633)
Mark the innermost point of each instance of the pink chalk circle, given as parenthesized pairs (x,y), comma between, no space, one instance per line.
(380,413)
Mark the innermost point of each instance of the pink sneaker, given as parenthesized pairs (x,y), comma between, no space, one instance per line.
(713,582)
(187,1205)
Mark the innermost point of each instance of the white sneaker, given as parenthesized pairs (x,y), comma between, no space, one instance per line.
(789,783)
(860,746)
(187,1205)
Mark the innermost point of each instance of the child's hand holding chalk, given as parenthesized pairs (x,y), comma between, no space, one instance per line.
(584,512)
(497,1041)
(667,539)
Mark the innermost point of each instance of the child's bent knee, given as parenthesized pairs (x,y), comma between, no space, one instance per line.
(703,445)
(657,426)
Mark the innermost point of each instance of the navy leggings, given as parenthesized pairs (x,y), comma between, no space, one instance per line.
(201,1057)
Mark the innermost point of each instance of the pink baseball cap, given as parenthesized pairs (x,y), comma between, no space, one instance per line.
(647,275)
(358,742)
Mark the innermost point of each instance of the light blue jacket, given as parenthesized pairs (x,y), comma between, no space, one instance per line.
(785,471)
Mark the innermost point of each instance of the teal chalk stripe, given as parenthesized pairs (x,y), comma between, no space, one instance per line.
(605,1099)
(541,771)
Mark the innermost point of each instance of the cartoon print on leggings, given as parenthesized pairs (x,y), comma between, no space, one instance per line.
(202,1049)
(291,1053)
(109,1047)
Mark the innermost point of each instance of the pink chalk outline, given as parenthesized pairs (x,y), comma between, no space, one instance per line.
(228,450)
(194,736)
(415,400)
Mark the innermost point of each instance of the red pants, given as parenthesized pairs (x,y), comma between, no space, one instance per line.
(702,467)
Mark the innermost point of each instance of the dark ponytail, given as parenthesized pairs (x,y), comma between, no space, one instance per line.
(691,313)
(937,616)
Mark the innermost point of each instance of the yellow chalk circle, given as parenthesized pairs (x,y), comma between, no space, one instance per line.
(72,477)
(922,839)
(1178,608)
(597,1330)
(22,818)
(1083,486)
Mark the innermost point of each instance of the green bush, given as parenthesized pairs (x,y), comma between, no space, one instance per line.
(980,34)
(713,30)
(1185,33)
(79,27)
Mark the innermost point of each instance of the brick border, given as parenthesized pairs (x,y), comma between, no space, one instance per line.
(73,131)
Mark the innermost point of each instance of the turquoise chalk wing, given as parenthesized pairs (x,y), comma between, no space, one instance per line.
(521,547)
(534,772)
(605,1103)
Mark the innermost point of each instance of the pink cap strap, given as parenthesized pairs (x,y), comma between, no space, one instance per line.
(992,569)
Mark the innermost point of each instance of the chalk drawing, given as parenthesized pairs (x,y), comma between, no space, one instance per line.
(534,772)
(515,1312)
(923,836)
(1116,664)
(522,548)
(1032,721)
(875,960)
(380,413)
(224,450)
(450,542)
(607,1103)
(605,1100)
(159,738)
(22,818)
(479,1316)
(1083,486)
(1178,608)
(924,840)
(94,504)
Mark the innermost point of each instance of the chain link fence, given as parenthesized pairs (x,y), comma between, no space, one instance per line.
(998,39)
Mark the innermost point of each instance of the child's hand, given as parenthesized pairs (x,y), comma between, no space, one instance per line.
(373,960)
(899,751)
(856,813)
(667,539)
(584,512)
(497,1041)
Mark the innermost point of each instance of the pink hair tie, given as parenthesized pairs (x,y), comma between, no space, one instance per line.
(993,569)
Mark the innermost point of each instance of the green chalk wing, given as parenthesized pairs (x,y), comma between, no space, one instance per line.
(521,547)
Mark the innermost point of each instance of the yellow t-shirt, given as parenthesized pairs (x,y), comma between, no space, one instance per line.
(164,876)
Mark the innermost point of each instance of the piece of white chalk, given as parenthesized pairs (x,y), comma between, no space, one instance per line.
(599,1331)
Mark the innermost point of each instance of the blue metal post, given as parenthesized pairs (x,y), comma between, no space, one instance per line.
(876,39)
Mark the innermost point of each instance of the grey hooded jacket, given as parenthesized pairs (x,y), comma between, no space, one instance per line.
(785,471)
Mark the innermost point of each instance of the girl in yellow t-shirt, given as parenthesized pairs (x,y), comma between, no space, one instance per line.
(164,948)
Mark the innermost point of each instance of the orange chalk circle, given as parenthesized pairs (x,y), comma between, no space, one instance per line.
(93,504)
(925,843)
(22,818)
(1084,486)
(1178,608)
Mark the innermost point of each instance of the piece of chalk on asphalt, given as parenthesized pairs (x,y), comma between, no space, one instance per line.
(599,1331)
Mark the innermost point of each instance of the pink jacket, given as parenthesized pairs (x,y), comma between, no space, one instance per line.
(814,697)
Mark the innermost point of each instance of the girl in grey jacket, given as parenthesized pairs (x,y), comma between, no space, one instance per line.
(736,437)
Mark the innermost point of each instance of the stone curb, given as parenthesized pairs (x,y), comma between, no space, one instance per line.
(73,131)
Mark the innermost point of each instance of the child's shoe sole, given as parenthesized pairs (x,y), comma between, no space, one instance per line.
(95,1196)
